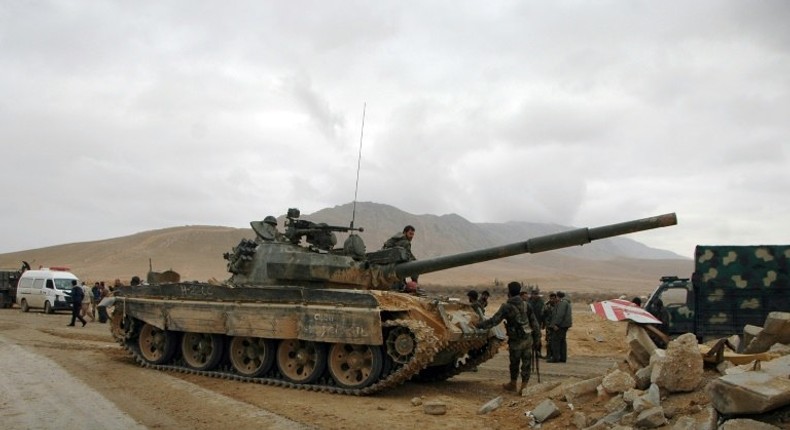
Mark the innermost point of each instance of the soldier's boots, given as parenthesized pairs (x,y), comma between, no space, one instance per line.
(522,386)
(510,386)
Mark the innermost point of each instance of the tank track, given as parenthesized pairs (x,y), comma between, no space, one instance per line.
(427,346)
(479,356)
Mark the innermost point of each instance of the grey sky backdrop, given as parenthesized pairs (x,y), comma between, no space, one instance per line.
(118,117)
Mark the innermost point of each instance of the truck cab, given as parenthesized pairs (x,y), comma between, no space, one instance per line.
(677,295)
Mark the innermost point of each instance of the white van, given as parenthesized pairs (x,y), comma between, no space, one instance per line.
(48,289)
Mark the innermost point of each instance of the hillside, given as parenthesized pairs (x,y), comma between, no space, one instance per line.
(617,264)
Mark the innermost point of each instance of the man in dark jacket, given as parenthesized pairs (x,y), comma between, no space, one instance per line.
(77,295)
(561,321)
(523,333)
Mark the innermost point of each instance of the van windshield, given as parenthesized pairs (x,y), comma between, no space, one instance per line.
(63,284)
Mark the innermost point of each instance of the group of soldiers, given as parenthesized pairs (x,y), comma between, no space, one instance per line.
(526,316)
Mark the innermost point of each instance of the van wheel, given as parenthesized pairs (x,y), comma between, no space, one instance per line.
(48,308)
(24,306)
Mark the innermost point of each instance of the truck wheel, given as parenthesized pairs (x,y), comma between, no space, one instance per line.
(24,305)
(48,308)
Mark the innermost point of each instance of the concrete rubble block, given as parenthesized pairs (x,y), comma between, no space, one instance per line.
(749,333)
(642,376)
(416,401)
(735,341)
(780,348)
(491,405)
(643,403)
(434,407)
(702,419)
(651,418)
(681,368)
(778,323)
(615,416)
(723,366)
(545,410)
(587,386)
(633,361)
(618,382)
(599,425)
(579,420)
(654,394)
(752,392)
(775,330)
(539,388)
(631,395)
(615,404)
(640,343)
(746,424)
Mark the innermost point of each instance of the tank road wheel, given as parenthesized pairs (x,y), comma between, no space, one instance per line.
(251,356)
(156,346)
(48,308)
(24,306)
(355,366)
(401,344)
(201,351)
(301,361)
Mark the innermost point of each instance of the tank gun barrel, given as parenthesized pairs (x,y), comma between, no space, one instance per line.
(535,245)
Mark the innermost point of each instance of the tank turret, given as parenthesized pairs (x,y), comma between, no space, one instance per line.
(274,259)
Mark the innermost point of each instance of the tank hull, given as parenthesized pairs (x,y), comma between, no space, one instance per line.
(375,340)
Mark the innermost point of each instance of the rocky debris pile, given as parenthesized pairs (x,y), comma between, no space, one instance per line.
(671,388)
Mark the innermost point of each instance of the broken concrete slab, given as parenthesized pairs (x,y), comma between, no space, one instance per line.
(545,410)
(651,418)
(491,405)
(745,423)
(775,330)
(749,392)
(640,343)
(539,388)
(581,388)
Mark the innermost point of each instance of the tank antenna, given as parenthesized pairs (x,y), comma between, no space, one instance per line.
(359,163)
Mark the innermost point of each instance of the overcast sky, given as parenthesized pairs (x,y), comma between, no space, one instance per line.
(121,117)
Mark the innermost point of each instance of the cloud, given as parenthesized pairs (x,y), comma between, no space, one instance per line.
(121,117)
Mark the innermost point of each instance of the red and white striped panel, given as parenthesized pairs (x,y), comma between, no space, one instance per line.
(622,310)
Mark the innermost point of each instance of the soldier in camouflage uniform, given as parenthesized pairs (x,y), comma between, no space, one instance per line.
(523,334)
(535,301)
(548,314)
(403,240)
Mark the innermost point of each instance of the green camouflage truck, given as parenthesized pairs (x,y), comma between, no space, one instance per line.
(731,286)
(8,280)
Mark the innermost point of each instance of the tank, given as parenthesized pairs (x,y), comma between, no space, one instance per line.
(300,312)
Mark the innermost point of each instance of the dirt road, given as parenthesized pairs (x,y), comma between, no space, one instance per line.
(72,377)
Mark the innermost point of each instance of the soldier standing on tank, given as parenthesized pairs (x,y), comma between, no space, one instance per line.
(523,334)
(561,321)
(403,240)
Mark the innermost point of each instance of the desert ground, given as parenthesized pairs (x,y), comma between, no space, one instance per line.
(78,377)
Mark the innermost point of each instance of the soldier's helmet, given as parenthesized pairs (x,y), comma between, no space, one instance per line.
(270,220)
